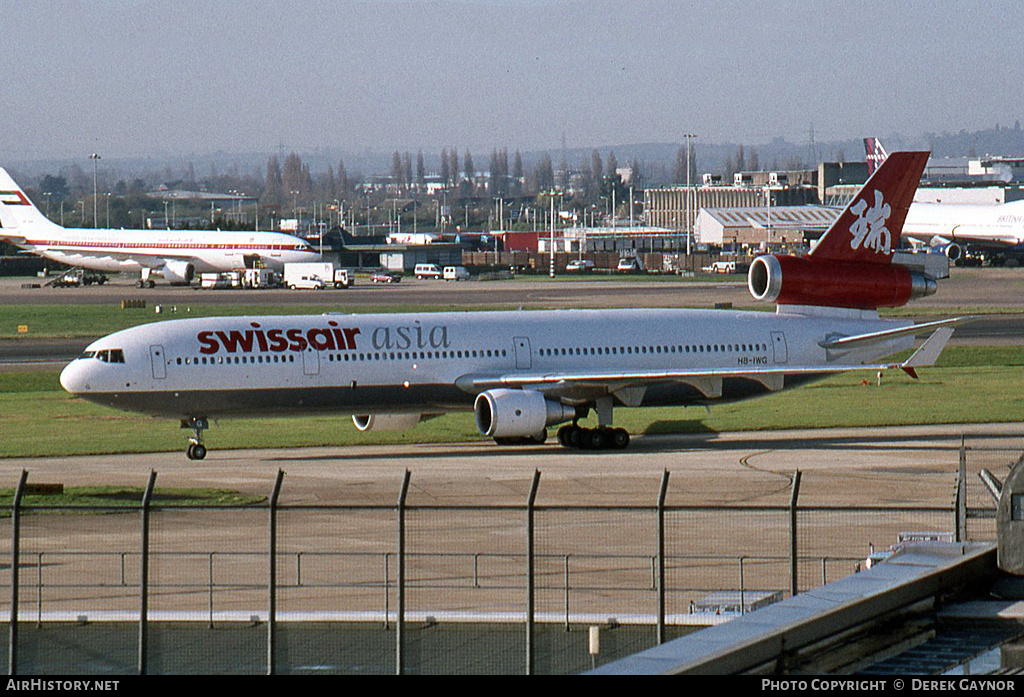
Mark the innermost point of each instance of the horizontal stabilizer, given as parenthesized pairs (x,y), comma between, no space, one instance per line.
(855,340)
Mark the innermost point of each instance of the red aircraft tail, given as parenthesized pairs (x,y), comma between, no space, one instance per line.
(870,227)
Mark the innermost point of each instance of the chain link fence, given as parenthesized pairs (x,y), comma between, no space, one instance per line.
(499,588)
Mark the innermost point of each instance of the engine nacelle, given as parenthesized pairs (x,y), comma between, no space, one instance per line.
(386,422)
(952,250)
(178,272)
(518,413)
(789,280)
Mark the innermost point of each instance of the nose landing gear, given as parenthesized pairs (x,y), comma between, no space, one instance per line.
(196,450)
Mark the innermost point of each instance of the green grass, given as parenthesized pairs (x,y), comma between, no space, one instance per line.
(969,385)
(62,321)
(541,276)
(116,498)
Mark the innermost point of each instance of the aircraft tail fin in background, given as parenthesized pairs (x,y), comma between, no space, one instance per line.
(869,229)
(874,153)
(17,212)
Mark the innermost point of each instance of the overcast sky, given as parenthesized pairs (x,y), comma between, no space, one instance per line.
(173,77)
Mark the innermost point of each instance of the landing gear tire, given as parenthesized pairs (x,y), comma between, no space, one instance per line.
(196,450)
(593,438)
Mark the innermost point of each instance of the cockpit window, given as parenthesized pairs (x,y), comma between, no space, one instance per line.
(106,355)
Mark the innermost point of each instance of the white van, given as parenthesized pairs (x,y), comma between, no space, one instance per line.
(456,273)
(427,271)
(629,265)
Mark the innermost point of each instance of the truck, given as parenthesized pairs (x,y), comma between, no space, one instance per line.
(306,275)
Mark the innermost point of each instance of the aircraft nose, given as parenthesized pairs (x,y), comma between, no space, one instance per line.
(73,378)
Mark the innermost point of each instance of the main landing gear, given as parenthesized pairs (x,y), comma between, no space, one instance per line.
(196,450)
(602,438)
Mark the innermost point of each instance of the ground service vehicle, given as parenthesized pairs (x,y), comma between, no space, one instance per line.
(427,271)
(456,273)
(78,277)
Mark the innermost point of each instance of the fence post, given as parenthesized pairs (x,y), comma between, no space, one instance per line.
(12,647)
(530,589)
(662,493)
(961,493)
(272,576)
(400,609)
(147,497)
(793,568)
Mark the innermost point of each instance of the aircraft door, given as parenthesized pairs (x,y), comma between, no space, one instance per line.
(524,358)
(779,347)
(311,361)
(156,357)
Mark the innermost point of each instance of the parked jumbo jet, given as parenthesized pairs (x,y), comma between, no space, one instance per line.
(176,255)
(947,228)
(521,372)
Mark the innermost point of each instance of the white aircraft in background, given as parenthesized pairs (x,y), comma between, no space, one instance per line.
(521,372)
(947,228)
(175,255)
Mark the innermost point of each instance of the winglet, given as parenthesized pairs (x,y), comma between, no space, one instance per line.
(929,351)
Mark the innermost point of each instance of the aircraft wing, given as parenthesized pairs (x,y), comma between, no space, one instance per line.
(629,385)
(153,261)
(11,237)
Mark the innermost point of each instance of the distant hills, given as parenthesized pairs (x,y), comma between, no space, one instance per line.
(657,160)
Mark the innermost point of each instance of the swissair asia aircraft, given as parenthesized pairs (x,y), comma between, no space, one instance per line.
(176,255)
(947,227)
(521,372)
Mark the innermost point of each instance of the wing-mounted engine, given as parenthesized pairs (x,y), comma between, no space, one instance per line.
(178,272)
(386,422)
(518,413)
(940,245)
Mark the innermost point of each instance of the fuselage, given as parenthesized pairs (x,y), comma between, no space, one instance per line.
(425,363)
(999,225)
(114,251)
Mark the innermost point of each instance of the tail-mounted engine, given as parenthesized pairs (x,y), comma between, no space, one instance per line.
(789,280)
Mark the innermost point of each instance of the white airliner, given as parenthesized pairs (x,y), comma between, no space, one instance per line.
(948,227)
(175,255)
(521,372)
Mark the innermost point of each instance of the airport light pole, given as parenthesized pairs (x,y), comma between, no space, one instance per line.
(95,172)
(551,251)
(689,220)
